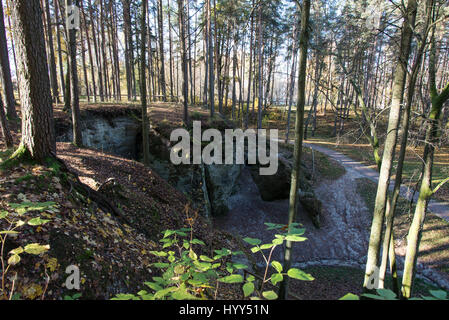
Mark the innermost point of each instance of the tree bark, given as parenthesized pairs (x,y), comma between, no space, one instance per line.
(6,70)
(38,136)
(390,142)
(299,130)
(74,93)
(143,85)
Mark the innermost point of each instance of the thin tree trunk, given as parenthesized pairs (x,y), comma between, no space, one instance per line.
(185,83)
(53,77)
(426,192)
(74,93)
(299,126)
(143,85)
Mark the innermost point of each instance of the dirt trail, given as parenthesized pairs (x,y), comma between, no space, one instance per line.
(344,235)
(439,208)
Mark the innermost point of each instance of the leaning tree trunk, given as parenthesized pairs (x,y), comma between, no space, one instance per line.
(425,193)
(299,126)
(38,136)
(390,143)
(388,250)
(6,70)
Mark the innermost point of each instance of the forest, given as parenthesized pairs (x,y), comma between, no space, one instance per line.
(224,150)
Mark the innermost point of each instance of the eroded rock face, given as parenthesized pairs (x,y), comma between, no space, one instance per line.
(116,136)
(277,187)
(222,182)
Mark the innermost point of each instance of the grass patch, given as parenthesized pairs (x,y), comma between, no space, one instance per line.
(322,166)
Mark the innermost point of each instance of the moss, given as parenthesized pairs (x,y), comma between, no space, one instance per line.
(26,177)
(21,155)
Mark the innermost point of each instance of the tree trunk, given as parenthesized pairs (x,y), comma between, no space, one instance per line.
(161,51)
(185,83)
(53,78)
(6,70)
(388,250)
(143,85)
(38,135)
(390,142)
(299,126)
(74,93)
(426,192)
(4,126)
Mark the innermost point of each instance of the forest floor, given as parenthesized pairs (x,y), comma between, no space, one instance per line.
(143,189)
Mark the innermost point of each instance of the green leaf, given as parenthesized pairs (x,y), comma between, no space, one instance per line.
(274,226)
(270,295)
(240,266)
(373,296)
(222,253)
(206,258)
(255,249)
(76,296)
(278,241)
(299,274)
(120,296)
(164,292)
(37,221)
(199,242)
(192,255)
(36,248)
(18,250)
(159,253)
(267,246)
(276,278)
(387,294)
(3,214)
(252,241)
(248,289)
(160,265)
(183,294)
(250,278)
(439,294)
(277,266)
(295,238)
(350,296)
(14,259)
(168,233)
(234,278)
(154,286)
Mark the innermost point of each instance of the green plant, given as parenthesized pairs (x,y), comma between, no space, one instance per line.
(187,276)
(14,221)
(293,234)
(387,294)
(76,296)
